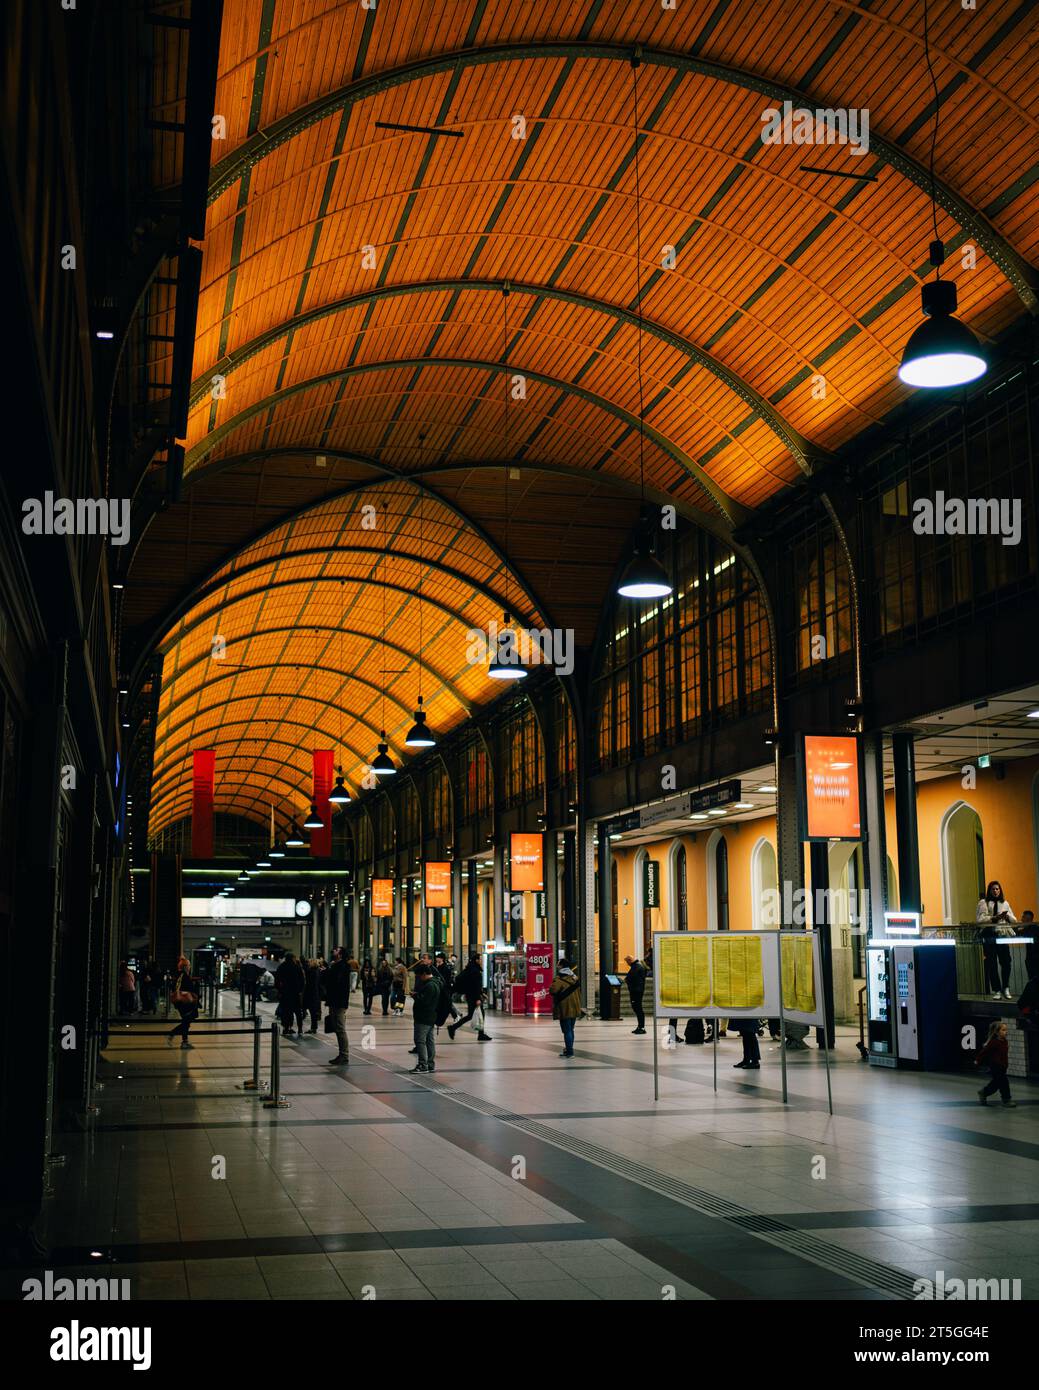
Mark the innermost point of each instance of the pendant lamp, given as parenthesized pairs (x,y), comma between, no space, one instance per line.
(313,820)
(505,663)
(294,840)
(942,351)
(382,763)
(418,735)
(339,795)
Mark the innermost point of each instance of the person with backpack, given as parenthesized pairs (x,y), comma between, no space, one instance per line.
(565,990)
(470,985)
(446,971)
(399,988)
(184,998)
(335,984)
(290,980)
(636,982)
(426,996)
(996,1053)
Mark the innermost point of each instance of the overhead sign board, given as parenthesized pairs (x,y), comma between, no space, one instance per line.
(437,882)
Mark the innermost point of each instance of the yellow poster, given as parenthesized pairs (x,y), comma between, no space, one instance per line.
(798,969)
(684,972)
(736,964)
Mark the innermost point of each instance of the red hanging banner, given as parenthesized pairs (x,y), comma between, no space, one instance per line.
(321,840)
(202,778)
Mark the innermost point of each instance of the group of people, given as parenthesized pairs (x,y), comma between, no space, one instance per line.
(139,991)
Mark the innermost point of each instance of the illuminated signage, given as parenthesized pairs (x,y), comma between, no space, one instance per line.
(526,864)
(437,883)
(901,924)
(382,897)
(830,787)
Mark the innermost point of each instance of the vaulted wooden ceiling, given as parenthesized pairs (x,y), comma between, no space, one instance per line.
(351,331)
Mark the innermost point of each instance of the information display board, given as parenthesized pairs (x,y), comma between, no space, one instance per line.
(437,883)
(760,974)
(382,897)
(526,863)
(830,779)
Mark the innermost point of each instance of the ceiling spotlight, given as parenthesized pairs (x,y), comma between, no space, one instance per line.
(644,576)
(505,663)
(418,735)
(339,795)
(382,763)
(294,840)
(313,821)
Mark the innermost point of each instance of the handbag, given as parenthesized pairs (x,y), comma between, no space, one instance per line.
(330,1023)
(184,996)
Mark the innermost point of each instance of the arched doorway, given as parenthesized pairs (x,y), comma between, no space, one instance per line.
(717,882)
(643,914)
(963,863)
(764,886)
(679,887)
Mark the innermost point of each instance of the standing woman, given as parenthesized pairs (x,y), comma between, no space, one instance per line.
(127,988)
(994,916)
(184,998)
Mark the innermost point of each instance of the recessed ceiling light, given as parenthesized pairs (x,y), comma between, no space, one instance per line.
(1033,714)
(766,787)
(698,815)
(744,806)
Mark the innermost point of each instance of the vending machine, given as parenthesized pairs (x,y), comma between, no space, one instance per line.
(913,1004)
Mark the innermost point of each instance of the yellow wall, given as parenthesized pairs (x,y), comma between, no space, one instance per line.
(1007,829)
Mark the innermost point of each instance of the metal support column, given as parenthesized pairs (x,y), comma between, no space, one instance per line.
(568,935)
(551,928)
(874,845)
(455,942)
(605,859)
(473,903)
(819,862)
(904,759)
(501,927)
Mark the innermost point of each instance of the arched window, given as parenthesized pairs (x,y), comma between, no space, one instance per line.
(766,910)
(963,863)
(680,887)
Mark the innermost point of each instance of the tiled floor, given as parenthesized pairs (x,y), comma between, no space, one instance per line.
(512,1175)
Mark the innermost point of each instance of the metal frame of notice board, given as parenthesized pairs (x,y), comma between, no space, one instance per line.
(772,984)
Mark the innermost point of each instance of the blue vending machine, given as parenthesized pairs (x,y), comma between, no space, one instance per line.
(913,1003)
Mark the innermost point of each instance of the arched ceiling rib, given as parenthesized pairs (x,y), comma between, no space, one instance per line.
(770,343)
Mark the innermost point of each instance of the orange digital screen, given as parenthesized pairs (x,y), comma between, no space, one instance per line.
(382,897)
(831,768)
(526,864)
(438,883)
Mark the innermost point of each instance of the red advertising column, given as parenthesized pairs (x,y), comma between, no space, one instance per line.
(539,977)
(321,840)
(203,774)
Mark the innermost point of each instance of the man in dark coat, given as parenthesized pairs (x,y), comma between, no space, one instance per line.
(636,978)
(335,984)
(290,980)
(470,985)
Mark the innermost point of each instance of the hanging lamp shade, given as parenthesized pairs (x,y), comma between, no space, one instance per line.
(942,351)
(505,663)
(313,821)
(243,877)
(382,763)
(644,577)
(419,736)
(276,852)
(294,840)
(263,862)
(339,795)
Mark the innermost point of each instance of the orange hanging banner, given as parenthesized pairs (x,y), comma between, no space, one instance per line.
(437,883)
(526,864)
(382,897)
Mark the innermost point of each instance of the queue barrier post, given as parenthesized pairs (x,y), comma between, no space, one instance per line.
(253,1084)
(274,1099)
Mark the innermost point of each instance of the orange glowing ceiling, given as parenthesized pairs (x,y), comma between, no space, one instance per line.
(351,325)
